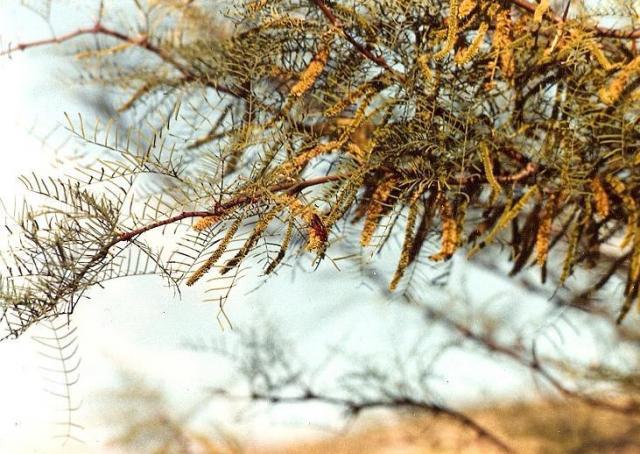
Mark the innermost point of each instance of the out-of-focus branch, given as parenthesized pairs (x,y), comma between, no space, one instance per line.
(354,407)
(518,354)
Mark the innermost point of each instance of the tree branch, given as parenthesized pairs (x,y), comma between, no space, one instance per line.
(290,187)
(517,355)
(354,408)
(141,41)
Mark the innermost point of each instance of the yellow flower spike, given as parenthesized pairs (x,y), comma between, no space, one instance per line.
(284,246)
(464,55)
(303,158)
(403,263)
(364,90)
(205,222)
(501,42)
(248,245)
(543,235)
(376,207)
(452,31)
(611,93)
(488,170)
(257,5)
(466,7)
(311,73)
(600,197)
(101,53)
(423,65)
(215,256)
(450,234)
(596,51)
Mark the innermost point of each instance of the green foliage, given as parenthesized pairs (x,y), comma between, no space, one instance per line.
(477,122)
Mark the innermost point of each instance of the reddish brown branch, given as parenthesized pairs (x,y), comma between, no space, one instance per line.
(141,41)
(290,187)
(354,408)
(99,29)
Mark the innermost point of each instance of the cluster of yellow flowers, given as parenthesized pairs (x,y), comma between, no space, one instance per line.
(303,158)
(379,199)
(543,235)
(311,73)
(450,233)
(217,254)
(600,197)
(405,254)
(611,93)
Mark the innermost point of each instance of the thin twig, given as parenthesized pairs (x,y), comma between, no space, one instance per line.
(141,41)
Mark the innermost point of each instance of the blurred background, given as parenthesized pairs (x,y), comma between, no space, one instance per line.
(146,368)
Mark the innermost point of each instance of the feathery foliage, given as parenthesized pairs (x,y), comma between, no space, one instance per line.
(291,125)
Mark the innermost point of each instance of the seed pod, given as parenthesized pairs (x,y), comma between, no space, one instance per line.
(506,217)
(631,209)
(317,233)
(628,302)
(572,247)
(634,264)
